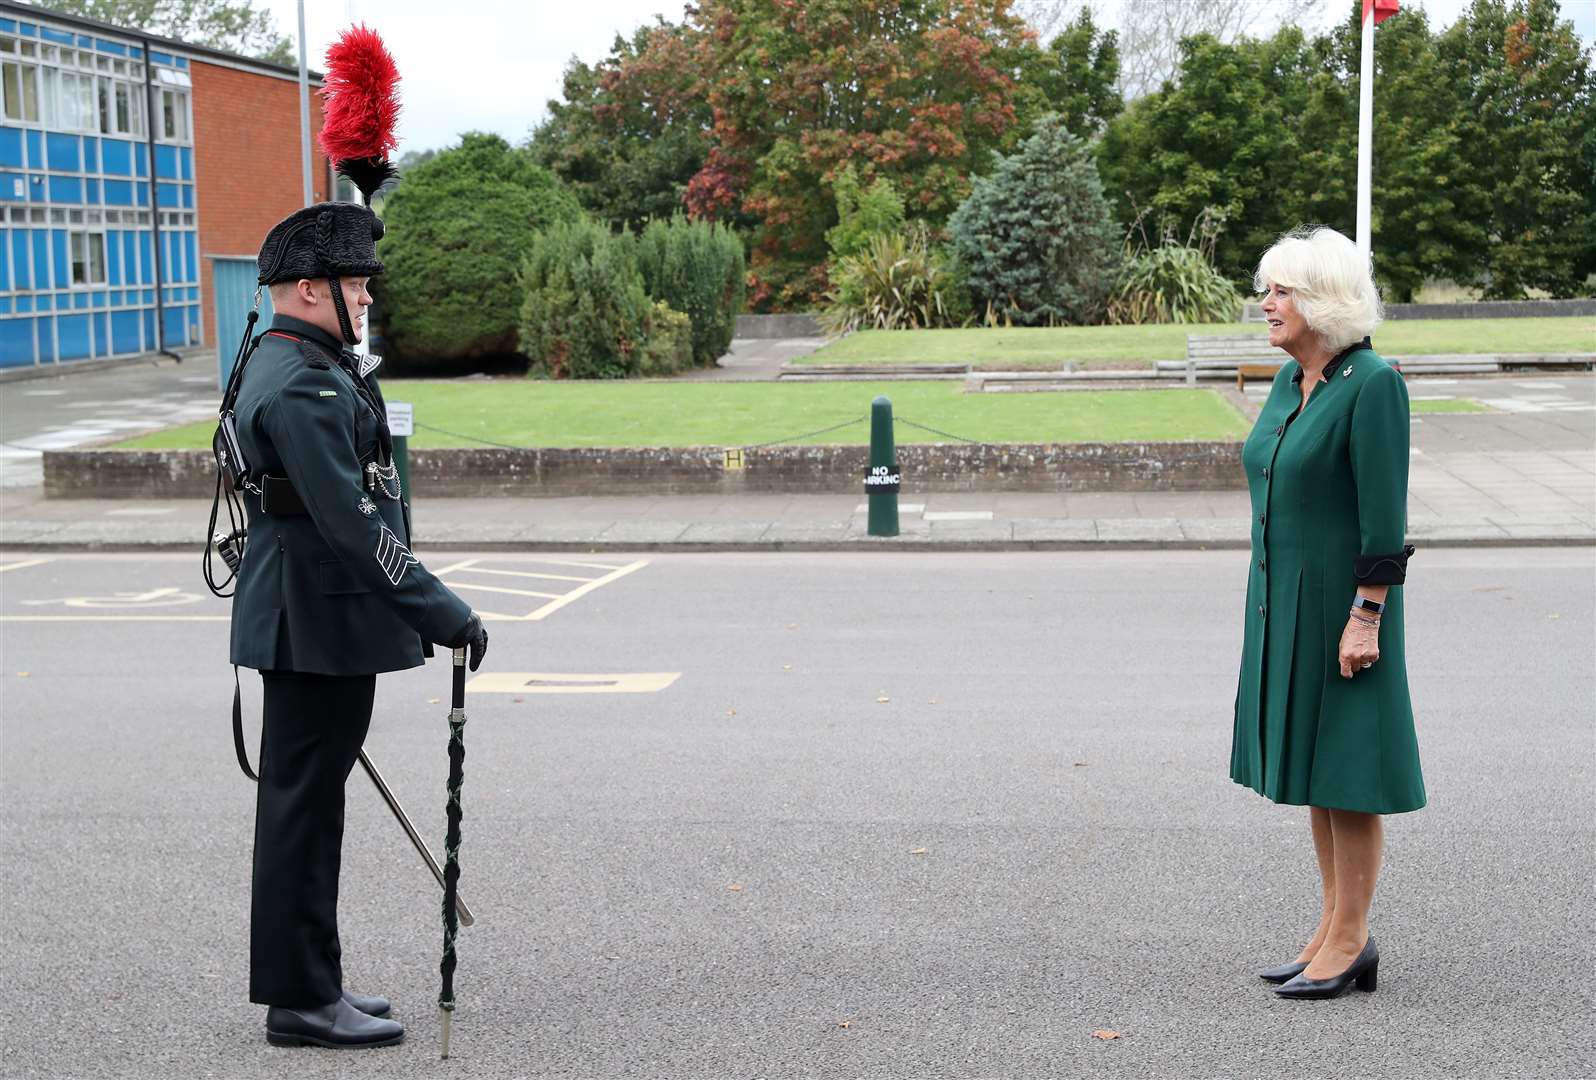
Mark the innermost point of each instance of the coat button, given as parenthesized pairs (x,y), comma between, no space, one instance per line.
(1266,472)
(1261,566)
(1279,429)
(1260,609)
(1261,518)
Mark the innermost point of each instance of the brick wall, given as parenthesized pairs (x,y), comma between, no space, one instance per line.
(246,163)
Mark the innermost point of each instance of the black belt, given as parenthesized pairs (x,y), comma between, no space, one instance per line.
(278,497)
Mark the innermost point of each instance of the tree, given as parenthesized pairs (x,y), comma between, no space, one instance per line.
(921,93)
(1225,135)
(1525,130)
(457,229)
(1036,239)
(862,212)
(1150,32)
(233,25)
(630,132)
(1077,74)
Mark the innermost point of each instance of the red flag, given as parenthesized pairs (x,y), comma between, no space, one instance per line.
(1383,9)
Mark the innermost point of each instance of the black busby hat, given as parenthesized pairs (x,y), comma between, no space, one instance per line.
(326,240)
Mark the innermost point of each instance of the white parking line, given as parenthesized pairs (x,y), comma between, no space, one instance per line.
(576,594)
(499,589)
(23,565)
(528,573)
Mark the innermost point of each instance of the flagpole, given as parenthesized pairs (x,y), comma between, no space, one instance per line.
(304,109)
(1365,129)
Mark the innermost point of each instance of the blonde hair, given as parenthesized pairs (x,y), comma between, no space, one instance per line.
(1331,282)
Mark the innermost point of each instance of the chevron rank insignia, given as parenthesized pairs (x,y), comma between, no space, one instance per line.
(367,507)
(393,557)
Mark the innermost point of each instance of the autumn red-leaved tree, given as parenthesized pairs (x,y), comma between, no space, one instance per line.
(918,92)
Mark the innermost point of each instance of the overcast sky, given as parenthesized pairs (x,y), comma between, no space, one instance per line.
(490,65)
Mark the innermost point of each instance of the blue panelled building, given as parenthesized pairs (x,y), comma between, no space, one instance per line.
(99,228)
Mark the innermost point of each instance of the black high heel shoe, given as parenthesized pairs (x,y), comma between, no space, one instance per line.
(1363,974)
(1283,973)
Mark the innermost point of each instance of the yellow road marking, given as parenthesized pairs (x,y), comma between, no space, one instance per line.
(574,562)
(452,567)
(542,682)
(115,618)
(616,573)
(520,573)
(501,589)
(23,565)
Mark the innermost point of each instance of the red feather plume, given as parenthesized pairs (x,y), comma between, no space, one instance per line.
(360,106)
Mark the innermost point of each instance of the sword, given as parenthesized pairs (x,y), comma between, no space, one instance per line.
(466,918)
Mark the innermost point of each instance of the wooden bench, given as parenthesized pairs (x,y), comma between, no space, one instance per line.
(1252,354)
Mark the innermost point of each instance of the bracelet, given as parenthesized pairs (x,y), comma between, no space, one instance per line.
(1364,619)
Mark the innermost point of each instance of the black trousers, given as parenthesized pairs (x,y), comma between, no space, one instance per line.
(313,730)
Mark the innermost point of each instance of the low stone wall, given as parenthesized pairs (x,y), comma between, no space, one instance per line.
(778,326)
(799,470)
(1479,309)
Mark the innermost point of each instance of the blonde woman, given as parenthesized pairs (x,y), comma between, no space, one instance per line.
(1323,717)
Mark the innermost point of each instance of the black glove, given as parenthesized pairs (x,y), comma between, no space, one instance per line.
(473,637)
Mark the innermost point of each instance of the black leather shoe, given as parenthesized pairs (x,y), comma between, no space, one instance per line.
(1283,973)
(370,1005)
(1362,973)
(338,1026)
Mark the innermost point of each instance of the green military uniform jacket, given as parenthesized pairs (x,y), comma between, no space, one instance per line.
(333,590)
(1329,510)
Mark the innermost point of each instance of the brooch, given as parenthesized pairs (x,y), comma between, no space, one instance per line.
(1347,371)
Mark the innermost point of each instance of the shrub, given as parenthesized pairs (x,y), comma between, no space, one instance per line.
(897,283)
(585,310)
(667,341)
(862,213)
(697,268)
(1175,282)
(457,229)
(1036,239)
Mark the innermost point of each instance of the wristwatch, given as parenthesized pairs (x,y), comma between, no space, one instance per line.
(1374,607)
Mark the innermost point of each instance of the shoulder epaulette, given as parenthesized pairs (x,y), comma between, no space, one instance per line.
(314,355)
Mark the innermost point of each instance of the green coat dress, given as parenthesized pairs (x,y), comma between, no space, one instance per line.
(1329,489)
(331,588)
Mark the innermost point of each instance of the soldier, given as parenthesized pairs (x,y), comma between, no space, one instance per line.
(328,596)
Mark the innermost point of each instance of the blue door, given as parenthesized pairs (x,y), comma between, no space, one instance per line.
(235,295)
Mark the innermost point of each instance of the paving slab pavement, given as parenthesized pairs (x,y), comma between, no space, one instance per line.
(779,522)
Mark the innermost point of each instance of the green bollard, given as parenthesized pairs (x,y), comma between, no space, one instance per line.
(884,478)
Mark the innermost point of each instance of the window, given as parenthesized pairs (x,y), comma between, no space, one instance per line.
(107,110)
(88,258)
(21,82)
(173,117)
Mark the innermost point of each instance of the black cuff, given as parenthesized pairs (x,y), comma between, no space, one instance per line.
(1382,569)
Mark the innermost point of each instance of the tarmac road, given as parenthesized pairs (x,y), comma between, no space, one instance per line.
(764,869)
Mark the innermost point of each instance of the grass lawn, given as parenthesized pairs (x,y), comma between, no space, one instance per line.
(1136,346)
(523,412)
(1450,405)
